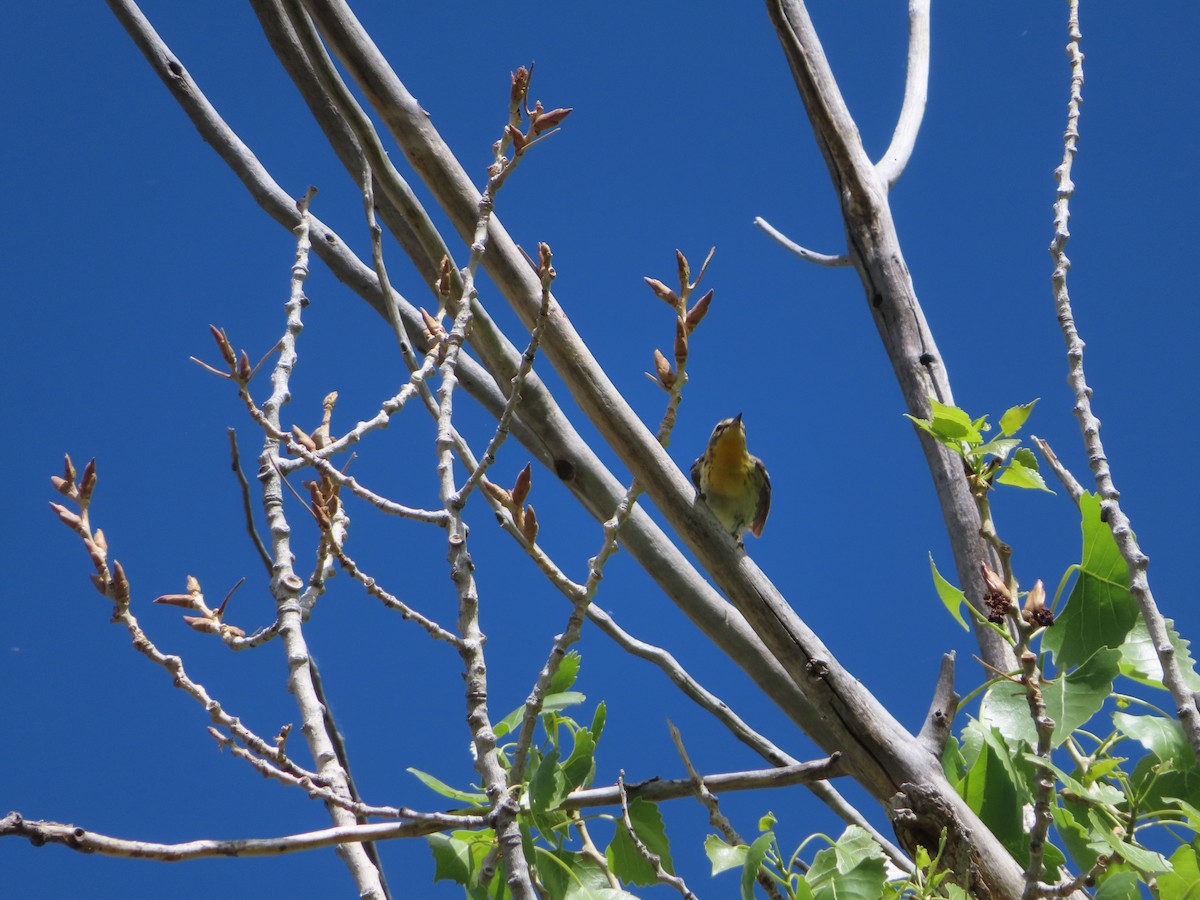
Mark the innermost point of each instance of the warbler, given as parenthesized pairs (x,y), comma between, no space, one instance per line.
(734,484)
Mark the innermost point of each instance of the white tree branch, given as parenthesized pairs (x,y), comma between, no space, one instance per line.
(812,256)
(916,89)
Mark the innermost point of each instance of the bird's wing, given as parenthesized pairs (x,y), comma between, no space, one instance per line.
(764,501)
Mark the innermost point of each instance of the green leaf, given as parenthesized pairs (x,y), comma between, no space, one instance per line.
(568,671)
(1190,811)
(1100,611)
(952,597)
(997,447)
(995,788)
(1071,700)
(767,822)
(552,704)
(580,766)
(458,855)
(1070,821)
(598,720)
(1014,417)
(626,862)
(570,874)
(1018,474)
(724,856)
(1139,660)
(623,856)
(561,700)
(951,423)
(854,848)
(1139,857)
(472,798)
(852,869)
(1120,886)
(1183,881)
(1097,792)
(1162,737)
(547,786)
(755,855)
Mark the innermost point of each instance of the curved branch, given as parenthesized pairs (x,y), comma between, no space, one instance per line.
(821,259)
(916,89)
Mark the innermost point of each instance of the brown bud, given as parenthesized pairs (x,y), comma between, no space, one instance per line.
(499,494)
(662,368)
(522,485)
(663,292)
(303,439)
(548,120)
(445,281)
(94,552)
(223,344)
(87,483)
(232,631)
(281,738)
(203,624)
(119,582)
(244,370)
(685,272)
(514,134)
(193,585)
(68,518)
(520,86)
(99,582)
(698,311)
(64,487)
(545,260)
(187,601)
(432,326)
(529,528)
(100,539)
(68,469)
(681,343)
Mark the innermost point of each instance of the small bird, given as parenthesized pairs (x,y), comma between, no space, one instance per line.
(734,484)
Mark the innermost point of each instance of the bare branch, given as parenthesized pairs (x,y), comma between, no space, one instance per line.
(1073,487)
(916,89)
(812,256)
(1131,552)
(38,833)
(235,463)
(660,873)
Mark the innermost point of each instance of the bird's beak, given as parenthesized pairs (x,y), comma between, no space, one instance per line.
(738,418)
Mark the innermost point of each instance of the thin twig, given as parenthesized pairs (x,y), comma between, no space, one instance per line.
(812,256)
(1073,487)
(1118,522)
(435,630)
(247,510)
(37,833)
(655,861)
(717,818)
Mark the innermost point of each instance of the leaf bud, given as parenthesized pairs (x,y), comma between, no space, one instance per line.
(529,528)
(663,292)
(698,311)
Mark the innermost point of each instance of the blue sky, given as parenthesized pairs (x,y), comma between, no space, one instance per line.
(128,237)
